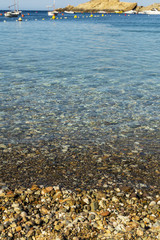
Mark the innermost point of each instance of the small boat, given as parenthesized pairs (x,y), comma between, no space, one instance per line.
(141,12)
(101,12)
(119,11)
(131,12)
(14,13)
(69,12)
(11,14)
(153,11)
(53,12)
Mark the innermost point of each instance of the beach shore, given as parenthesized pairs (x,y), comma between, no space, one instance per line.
(52,191)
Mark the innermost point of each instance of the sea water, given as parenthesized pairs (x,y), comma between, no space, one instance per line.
(89,79)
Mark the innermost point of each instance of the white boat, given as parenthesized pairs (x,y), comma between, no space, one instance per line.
(101,12)
(131,12)
(153,11)
(14,13)
(141,13)
(69,12)
(53,12)
(11,14)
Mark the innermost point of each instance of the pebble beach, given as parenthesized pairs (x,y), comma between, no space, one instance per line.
(54,213)
(87,193)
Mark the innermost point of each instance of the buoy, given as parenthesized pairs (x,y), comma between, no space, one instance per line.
(53,17)
(102,15)
(75,16)
(22,15)
(28,14)
(91,15)
(20,19)
(62,14)
(1,14)
(43,19)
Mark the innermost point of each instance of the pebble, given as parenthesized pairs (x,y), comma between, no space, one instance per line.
(57,213)
(139,232)
(3,146)
(153,203)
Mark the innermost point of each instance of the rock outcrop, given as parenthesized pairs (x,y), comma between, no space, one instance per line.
(155,5)
(102,5)
(107,5)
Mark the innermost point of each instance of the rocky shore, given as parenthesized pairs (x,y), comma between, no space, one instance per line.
(108,6)
(54,213)
(101,5)
(71,191)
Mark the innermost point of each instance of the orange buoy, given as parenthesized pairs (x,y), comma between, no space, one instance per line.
(1,14)
(22,15)
(28,14)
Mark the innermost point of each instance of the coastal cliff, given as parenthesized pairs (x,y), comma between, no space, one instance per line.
(107,5)
(155,5)
(102,5)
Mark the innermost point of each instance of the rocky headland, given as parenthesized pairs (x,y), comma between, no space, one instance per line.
(102,5)
(152,6)
(108,6)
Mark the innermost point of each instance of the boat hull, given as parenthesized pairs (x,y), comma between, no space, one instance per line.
(11,14)
(52,13)
(152,12)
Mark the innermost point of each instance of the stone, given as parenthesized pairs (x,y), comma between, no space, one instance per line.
(3,146)
(34,187)
(114,199)
(23,214)
(86,200)
(49,189)
(18,229)
(44,210)
(105,214)
(153,203)
(1,227)
(139,232)
(94,206)
(30,233)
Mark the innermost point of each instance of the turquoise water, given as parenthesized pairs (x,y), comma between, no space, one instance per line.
(85,79)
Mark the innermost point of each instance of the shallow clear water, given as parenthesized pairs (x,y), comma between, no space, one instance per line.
(84,79)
